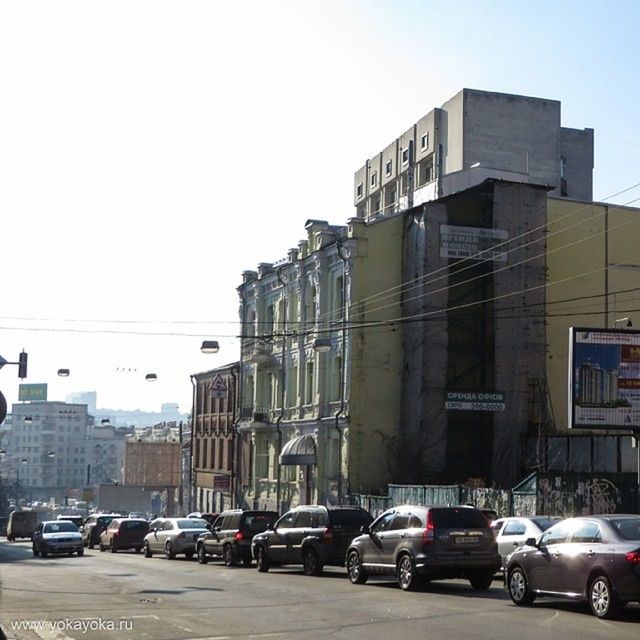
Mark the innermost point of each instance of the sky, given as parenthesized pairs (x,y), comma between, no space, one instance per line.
(150,152)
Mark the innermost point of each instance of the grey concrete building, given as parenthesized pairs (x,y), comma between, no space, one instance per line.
(474,136)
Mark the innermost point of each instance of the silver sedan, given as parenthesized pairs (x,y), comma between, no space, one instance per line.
(172,536)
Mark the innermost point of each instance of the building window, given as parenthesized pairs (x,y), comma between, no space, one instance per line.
(221,454)
(374,179)
(212,459)
(308,387)
(405,155)
(563,167)
(359,190)
(424,141)
(292,387)
(388,167)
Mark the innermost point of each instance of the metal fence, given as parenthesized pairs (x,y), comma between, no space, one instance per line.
(563,494)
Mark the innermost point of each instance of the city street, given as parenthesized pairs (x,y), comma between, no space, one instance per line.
(169,600)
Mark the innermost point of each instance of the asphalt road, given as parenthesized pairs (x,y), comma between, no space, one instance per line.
(158,599)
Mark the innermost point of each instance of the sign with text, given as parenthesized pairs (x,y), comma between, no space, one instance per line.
(473,242)
(475,401)
(604,378)
(32,392)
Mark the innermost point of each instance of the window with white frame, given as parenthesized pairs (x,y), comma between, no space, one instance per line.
(309,390)
(405,155)
(359,190)
(388,167)
(374,178)
(424,141)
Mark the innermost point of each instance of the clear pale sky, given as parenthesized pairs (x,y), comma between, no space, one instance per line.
(152,151)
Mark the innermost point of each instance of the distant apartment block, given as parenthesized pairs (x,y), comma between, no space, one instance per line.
(474,136)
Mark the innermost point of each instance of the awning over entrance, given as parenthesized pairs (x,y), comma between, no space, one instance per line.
(299,450)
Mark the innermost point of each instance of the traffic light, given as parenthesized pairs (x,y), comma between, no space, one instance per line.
(22,365)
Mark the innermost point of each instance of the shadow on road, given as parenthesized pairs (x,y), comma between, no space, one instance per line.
(629,613)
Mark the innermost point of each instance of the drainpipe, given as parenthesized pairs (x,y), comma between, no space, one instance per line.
(192,437)
(237,385)
(282,383)
(343,364)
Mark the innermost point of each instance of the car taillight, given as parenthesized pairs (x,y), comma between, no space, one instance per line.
(429,533)
(327,536)
(633,557)
(239,535)
(181,534)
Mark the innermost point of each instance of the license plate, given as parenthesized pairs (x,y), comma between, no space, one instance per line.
(466,540)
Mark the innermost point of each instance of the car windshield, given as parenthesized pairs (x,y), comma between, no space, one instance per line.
(140,525)
(450,518)
(191,523)
(544,523)
(259,522)
(627,528)
(104,520)
(348,518)
(60,527)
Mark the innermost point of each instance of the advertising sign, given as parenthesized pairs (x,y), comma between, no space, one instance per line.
(468,242)
(475,401)
(32,392)
(604,378)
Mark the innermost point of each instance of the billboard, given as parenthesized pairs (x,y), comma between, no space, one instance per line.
(468,242)
(604,378)
(32,392)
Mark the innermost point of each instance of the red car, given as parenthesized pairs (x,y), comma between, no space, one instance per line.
(124,533)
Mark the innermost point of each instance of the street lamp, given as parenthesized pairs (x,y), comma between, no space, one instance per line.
(51,454)
(626,321)
(63,373)
(151,377)
(210,346)
(322,345)
(28,419)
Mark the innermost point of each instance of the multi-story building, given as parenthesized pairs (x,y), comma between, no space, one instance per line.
(107,444)
(52,437)
(214,444)
(474,136)
(319,401)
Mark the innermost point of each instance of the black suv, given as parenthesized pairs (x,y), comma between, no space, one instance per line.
(313,536)
(231,535)
(94,525)
(417,543)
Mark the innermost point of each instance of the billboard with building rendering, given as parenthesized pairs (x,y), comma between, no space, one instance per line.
(604,378)
(152,464)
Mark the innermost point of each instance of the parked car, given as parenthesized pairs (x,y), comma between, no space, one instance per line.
(512,532)
(210,518)
(22,524)
(57,536)
(94,525)
(592,558)
(231,536)
(310,535)
(417,543)
(77,520)
(124,533)
(173,536)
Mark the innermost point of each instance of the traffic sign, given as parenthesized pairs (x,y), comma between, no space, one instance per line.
(218,387)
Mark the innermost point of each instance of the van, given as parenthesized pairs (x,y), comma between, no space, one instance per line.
(22,524)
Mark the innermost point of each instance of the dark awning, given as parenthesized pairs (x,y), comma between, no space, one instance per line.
(299,450)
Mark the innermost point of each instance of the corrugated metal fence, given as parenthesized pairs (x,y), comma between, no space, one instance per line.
(540,493)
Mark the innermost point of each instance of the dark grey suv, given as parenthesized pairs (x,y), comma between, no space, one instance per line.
(231,535)
(417,543)
(310,535)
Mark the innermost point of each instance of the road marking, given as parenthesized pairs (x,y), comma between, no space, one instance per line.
(146,615)
(552,618)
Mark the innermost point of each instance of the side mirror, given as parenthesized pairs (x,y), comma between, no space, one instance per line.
(216,529)
(364,528)
(530,542)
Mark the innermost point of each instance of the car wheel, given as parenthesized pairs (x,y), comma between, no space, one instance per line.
(10,538)
(147,550)
(262,562)
(406,571)
(101,547)
(168,551)
(602,599)
(112,547)
(138,549)
(188,555)
(36,551)
(80,551)
(43,551)
(357,575)
(202,555)
(518,586)
(91,544)
(310,562)
(247,560)
(481,581)
(228,556)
